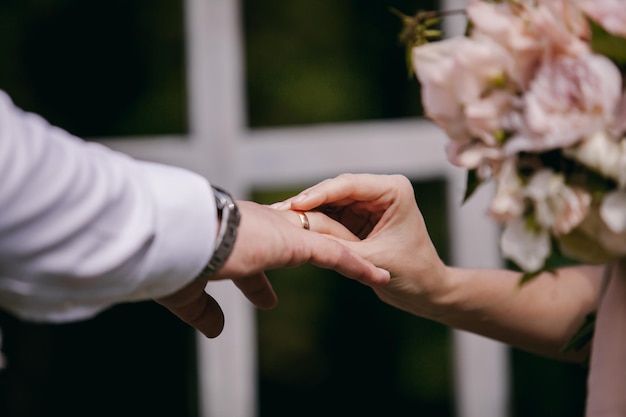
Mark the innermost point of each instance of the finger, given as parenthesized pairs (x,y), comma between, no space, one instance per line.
(351,223)
(321,223)
(318,222)
(258,289)
(345,189)
(304,194)
(201,312)
(297,218)
(331,254)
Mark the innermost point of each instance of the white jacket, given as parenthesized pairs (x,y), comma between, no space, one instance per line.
(83,227)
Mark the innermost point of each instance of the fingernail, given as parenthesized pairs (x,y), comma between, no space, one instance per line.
(299,198)
(279,205)
(384,274)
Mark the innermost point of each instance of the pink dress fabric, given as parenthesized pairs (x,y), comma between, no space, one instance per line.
(606,385)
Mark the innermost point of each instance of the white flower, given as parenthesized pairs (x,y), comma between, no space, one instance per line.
(603,154)
(528,248)
(613,211)
(557,206)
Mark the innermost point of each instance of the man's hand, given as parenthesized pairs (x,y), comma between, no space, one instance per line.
(267,239)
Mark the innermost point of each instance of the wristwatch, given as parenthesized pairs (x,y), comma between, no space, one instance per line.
(229,216)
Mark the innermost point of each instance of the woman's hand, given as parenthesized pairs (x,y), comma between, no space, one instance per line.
(377,216)
(386,228)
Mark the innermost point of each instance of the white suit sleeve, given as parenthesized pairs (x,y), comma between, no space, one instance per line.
(83,227)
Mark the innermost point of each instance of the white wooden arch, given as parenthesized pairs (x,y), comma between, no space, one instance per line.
(221,147)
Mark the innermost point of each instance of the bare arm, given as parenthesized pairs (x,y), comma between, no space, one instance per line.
(540,316)
(381,211)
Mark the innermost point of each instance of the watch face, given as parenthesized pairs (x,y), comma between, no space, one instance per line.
(222,198)
(221,202)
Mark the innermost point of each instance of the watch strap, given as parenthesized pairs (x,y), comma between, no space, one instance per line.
(229,217)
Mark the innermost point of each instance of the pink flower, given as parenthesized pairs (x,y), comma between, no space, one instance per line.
(489,115)
(610,14)
(522,82)
(570,98)
(561,25)
(618,126)
(507,23)
(434,65)
(465,91)
(471,154)
(508,202)
(455,73)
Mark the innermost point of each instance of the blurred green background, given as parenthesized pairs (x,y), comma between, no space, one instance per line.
(117,68)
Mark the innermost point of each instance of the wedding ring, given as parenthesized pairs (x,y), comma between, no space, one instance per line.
(304,220)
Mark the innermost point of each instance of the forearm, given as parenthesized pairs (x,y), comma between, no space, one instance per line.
(539,316)
(84,227)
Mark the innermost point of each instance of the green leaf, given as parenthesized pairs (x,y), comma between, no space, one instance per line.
(605,43)
(472,184)
(528,276)
(583,335)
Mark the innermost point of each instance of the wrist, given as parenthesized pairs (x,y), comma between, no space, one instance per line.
(435,292)
(228,217)
(443,294)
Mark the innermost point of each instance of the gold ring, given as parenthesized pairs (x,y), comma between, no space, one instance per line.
(304,220)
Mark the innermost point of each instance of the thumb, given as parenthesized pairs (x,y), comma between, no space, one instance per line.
(195,307)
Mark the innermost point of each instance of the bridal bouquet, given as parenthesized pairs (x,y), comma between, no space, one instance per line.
(532,98)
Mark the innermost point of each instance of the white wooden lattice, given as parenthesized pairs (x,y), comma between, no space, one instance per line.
(220,147)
